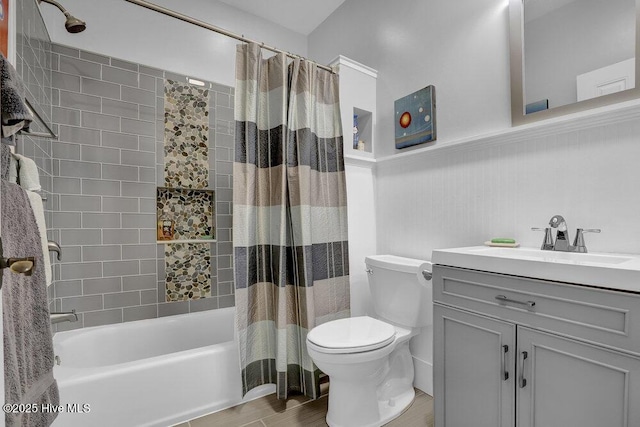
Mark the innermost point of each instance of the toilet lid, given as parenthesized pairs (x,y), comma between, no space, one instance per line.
(352,335)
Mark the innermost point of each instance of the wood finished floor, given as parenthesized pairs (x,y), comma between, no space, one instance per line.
(300,411)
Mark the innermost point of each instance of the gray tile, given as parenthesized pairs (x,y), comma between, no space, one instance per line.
(120,108)
(101,220)
(139,251)
(162,290)
(119,140)
(66,185)
(147,175)
(101,253)
(80,237)
(104,317)
(148,236)
(124,64)
(151,71)
(64,50)
(124,299)
(147,113)
(121,268)
(120,236)
(224,113)
(146,82)
(148,205)
(101,286)
(148,266)
(138,283)
(216,87)
(76,169)
(82,304)
(80,203)
(224,289)
(100,187)
(100,88)
(120,76)
(81,270)
(173,308)
(65,81)
(139,96)
(79,135)
(66,219)
(203,304)
(137,189)
(224,221)
(226,301)
(224,195)
(119,204)
(79,101)
(69,254)
(100,154)
(127,173)
(226,141)
(137,158)
(65,116)
(138,127)
(79,67)
(140,313)
(62,150)
(225,168)
(68,288)
(149,297)
(94,57)
(139,221)
(147,143)
(100,121)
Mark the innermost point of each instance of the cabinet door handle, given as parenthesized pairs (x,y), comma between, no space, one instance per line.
(503,298)
(523,380)
(505,372)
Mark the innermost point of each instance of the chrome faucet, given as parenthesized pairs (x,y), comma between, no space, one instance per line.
(562,236)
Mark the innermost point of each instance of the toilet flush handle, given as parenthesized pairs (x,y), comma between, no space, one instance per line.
(370,271)
(427,274)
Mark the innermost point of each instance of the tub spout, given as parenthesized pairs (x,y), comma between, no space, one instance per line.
(67,316)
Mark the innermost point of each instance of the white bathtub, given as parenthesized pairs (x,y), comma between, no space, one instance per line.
(151,373)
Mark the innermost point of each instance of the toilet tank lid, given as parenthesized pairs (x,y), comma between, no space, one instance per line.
(392,262)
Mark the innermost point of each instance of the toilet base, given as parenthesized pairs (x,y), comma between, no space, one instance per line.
(388,410)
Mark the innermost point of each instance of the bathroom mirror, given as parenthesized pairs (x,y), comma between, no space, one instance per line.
(572,55)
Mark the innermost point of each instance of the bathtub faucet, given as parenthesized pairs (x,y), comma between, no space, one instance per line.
(66,316)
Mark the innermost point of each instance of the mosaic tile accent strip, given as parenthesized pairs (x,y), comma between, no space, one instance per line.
(188,271)
(186,130)
(192,212)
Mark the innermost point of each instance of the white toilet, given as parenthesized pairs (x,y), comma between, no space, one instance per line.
(367,359)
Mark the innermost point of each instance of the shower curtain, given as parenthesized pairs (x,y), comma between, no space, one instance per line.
(289,217)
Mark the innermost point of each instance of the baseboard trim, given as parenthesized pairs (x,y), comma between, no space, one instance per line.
(423,378)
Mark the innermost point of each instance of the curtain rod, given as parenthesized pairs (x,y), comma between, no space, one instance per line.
(210,27)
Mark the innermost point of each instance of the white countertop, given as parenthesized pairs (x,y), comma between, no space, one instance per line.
(619,272)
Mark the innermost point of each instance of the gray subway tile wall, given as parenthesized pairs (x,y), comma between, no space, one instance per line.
(33,65)
(106,165)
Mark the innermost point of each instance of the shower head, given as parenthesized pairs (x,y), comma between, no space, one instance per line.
(72,24)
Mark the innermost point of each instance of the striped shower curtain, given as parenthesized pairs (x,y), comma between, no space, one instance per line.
(289,217)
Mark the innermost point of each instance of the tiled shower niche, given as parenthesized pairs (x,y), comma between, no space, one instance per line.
(192,212)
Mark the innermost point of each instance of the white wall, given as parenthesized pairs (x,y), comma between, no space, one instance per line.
(460,46)
(127,31)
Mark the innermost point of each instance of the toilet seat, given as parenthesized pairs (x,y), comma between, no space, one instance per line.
(351,335)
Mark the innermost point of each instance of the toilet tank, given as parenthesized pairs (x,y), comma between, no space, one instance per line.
(398,294)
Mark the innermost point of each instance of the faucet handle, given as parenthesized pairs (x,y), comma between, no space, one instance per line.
(578,243)
(547,243)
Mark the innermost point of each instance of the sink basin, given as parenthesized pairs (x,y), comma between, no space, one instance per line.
(552,256)
(611,271)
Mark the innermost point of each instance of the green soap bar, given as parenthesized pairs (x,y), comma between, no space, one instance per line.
(502,240)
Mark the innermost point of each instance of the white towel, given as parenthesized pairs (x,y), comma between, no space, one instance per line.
(28,173)
(38,211)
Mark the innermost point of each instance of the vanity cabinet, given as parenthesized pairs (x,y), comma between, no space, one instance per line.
(517,351)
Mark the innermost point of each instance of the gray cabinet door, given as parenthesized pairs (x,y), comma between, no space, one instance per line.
(569,383)
(474,364)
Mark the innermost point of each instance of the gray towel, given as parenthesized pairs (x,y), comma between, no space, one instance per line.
(15,113)
(28,343)
(5,161)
